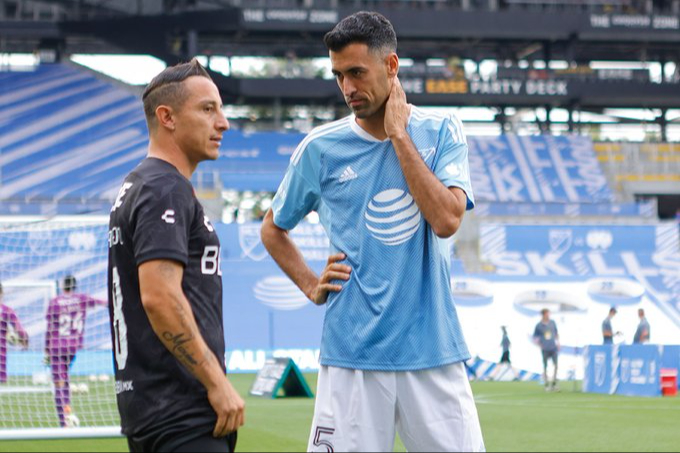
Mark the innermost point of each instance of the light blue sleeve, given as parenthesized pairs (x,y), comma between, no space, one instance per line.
(300,191)
(451,165)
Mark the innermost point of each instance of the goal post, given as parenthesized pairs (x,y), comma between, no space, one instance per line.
(35,256)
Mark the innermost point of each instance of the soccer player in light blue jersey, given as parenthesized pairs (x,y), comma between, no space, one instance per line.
(391,184)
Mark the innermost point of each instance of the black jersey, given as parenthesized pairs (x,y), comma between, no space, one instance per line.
(157,216)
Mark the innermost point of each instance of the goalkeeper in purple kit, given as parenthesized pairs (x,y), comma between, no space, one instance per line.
(11,333)
(65,328)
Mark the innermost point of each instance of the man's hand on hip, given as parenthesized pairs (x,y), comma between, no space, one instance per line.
(333,271)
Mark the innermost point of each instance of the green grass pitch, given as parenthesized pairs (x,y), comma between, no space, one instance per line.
(515,416)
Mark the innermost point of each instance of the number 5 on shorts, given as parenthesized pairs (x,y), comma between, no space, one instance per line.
(318,441)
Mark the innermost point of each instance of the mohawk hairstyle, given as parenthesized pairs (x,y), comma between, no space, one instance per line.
(167,88)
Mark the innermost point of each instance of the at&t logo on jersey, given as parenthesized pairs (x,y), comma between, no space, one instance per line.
(393,217)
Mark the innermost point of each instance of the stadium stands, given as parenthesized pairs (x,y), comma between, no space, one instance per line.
(536,169)
(76,137)
(66,135)
(651,159)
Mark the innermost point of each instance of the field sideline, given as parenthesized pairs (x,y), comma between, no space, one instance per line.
(515,416)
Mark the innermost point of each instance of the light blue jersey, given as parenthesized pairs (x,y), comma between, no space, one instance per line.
(396,312)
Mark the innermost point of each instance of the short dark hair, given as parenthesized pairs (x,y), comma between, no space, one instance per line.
(167,88)
(364,27)
(0,288)
(612,310)
(70,283)
(544,311)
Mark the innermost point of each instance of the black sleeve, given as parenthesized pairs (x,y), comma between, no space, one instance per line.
(163,217)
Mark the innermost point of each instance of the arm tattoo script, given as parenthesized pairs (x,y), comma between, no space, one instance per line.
(178,342)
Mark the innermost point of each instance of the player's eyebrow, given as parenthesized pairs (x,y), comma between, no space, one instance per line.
(337,72)
(212,103)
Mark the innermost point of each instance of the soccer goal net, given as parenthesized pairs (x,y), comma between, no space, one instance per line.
(56,372)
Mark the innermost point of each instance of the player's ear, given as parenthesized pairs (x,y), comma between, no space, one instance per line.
(165,117)
(392,65)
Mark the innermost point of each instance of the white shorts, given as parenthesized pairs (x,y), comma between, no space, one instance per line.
(433,410)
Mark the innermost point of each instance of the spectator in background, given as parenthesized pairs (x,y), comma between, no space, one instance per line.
(546,336)
(505,357)
(11,333)
(642,332)
(505,344)
(607,330)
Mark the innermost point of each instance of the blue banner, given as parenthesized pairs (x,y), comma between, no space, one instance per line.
(561,239)
(598,376)
(263,309)
(631,370)
(639,370)
(648,253)
(242,243)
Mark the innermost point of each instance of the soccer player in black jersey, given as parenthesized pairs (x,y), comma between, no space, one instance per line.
(165,284)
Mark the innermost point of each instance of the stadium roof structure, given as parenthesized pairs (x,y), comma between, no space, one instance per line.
(170,29)
(177,30)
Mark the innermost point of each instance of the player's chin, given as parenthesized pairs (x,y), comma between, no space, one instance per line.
(363,112)
(212,152)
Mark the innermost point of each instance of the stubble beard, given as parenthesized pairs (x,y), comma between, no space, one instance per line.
(366,112)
